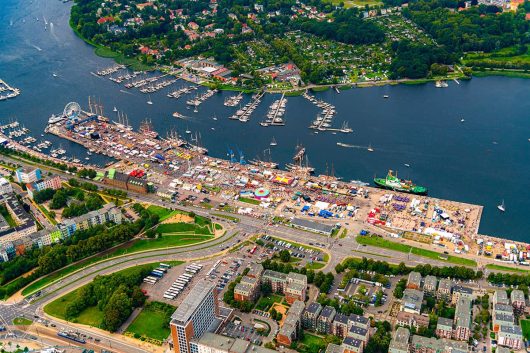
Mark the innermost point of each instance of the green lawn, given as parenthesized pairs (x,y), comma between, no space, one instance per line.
(387,244)
(525,326)
(250,201)
(230,218)
(151,323)
(90,316)
(22,321)
(265,303)
(505,268)
(314,265)
(162,212)
(175,228)
(165,241)
(310,341)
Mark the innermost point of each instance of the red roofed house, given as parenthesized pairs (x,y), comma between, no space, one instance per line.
(193,25)
(527,16)
(106,19)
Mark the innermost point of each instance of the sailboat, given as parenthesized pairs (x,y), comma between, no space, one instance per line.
(150,102)
(502,207)
(462,120)
(115,109)
(370,149)
(273,142)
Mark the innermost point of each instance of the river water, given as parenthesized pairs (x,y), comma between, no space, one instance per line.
(482,160)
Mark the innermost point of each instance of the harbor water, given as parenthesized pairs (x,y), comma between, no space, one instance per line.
(482,160)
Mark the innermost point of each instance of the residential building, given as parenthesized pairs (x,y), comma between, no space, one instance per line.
(420,344)
(311,226)
(462,323)
(294,291)
(503,308)
(277,280)
(518,301)
(54,183)
(310,316)
(411,301)
(292,324)
(352,345)
(325,320)
(213,343)
(334,348)
(511,337)
(194,316)
(501,319)
(444,289)
(256,270)
(502,350)
(358,321)
(400,341)
(5,186)
(459,292)
(340,326)
(414,280)
(361,334)
(26,175)
(430,284)
(247,289)
(444,328)
(500,297)
(293,285)
(404,318)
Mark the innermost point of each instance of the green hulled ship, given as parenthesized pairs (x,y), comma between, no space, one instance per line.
(392,182)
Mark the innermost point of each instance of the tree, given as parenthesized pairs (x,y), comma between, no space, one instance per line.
(285,256)
(266,289)
(117,310)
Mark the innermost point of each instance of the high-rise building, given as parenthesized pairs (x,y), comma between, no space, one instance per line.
(26,176)
(197,313)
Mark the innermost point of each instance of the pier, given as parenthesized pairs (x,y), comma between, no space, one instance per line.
(325,117)
(276,112)
(202,98)
(181,91)
(110,70)
(244,113)
(7,92)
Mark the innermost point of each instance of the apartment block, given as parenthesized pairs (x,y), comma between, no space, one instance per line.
(292,324)
(197,313)
(518,301)
(412,301)
(27,175)
(310,316)
(414,280)
(404,318)
(445,287)
(352,345)
(461,292)
(430,284)
(400,341)
(325,320)
(340,326)
(510,336)
(444,328)
(462,322)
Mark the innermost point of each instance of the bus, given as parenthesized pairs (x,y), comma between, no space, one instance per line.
(169,296)
(163,265)
(149,280)
(187,275)
(158,271)
(161,269)
(156,274)
(253,250)
(183,279)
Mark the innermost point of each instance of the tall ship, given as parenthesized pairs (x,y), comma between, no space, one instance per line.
(392,182)
(146,128)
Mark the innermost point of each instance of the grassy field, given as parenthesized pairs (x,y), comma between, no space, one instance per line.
(250,201)
(387,244)
(90,316)
(165,241)
(230,218)
(525,327)
(162,212)
(189,228)
(314,265)
(265,303)
(310,340)
(151,323)
(501,57)
(505,268)
(506,73)
(22,321)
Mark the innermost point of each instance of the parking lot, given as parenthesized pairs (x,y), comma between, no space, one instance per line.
(237,330)
(303,253)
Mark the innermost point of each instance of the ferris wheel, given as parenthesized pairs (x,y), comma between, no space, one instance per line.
(72,110)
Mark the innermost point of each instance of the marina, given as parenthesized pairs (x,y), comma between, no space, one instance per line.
(243,114)
(110,70)
(276,112)
(325,117)
(198,100)
(7,92)
(233,101)
(181,91)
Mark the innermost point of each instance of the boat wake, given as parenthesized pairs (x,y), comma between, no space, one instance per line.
(122,91)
